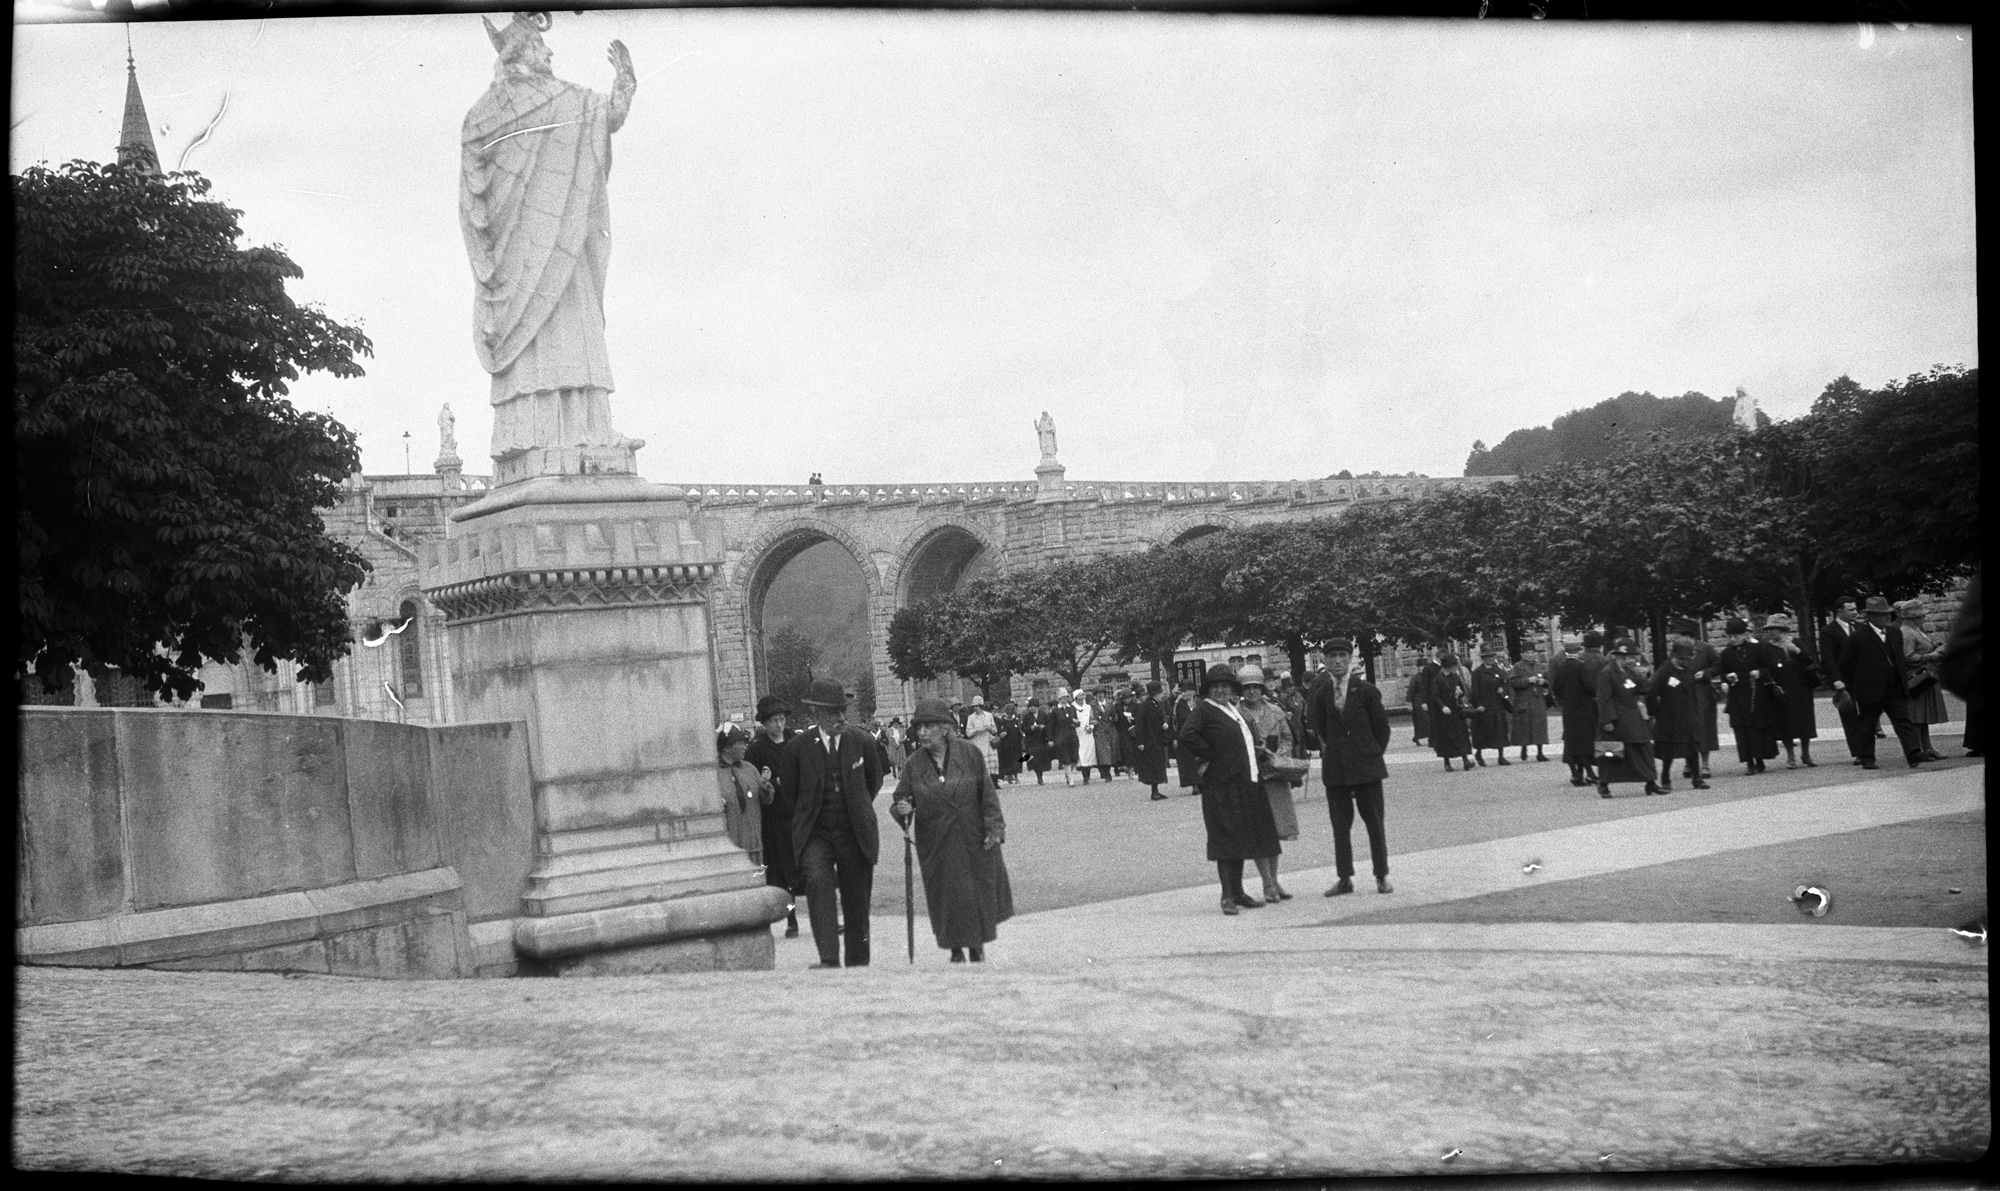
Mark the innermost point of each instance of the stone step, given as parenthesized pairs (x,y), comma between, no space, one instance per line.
(549,903)
(629,856)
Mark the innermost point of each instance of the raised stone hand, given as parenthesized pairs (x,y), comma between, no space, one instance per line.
(621,62)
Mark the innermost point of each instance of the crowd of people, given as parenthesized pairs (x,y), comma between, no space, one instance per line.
(1626,720)
(801,801)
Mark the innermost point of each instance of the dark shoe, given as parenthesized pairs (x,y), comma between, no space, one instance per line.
(1480,759)
(978,954)
(791,926)
(1700,785)
(1930,755)
(1382,885)
(823,964)
(1447,764)
(1344,885)
(1666,788)
(1808,762)
(1505,761)
(1159,797)
(1229,906)
(1790,763)
(1539,757)
(1654,788)
(958,955)
(1282,895)
(1603,791)
(1577,781)
(1248,902)
(1869,763)
(1915,760)
(1859,761)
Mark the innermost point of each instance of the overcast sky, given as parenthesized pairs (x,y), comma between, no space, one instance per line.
(877,245)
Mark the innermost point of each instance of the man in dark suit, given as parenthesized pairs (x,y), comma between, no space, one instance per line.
(1873,671)
(834,772)
(1833,644)
(1149,739)
(1353,730)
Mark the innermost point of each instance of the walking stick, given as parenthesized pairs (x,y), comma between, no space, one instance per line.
(909,893)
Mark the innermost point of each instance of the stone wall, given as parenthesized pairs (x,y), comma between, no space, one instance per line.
(247,841)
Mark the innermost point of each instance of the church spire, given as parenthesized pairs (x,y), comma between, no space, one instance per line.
(135,140)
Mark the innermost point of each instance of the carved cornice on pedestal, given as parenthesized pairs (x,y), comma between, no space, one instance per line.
(604,587)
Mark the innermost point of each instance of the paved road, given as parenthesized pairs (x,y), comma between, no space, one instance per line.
(1068,847)
(1144,1037)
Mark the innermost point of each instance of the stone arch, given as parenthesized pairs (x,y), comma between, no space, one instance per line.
(937,555)
(765,557)
(759,565)
(1196,525)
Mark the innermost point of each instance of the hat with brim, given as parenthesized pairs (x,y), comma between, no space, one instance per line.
(931,711)
(1218,674)
(728,734)
(1682,649)
(1736,624)
(1685,627)
(1778,620)
(1877,604)
(1334,647)
(825,692)
(1593,640)
(769,706)
(1623,645)
(1250,676)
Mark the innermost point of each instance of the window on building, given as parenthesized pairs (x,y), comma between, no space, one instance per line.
(61,693)
(412,655)
(324,694)
(218,702)
(123,690)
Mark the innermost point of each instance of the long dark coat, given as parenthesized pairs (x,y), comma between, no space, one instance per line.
(1492,722)
(1420,719)
(1008,738)
(1062,735)
(1352,738)
(966,890)
(1104,730)
(1577,694)
(1149,742)
(1177,719)
(780,864)
(1234,807)
(1798,678)
(1674,693)
(1706,666)
(803,766)
(1621,710)
(1526,686)
(1449,702)
(1036,730)
(1756,707)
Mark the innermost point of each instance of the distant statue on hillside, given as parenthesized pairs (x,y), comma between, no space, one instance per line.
(447,432)
(1045,429)
(535,164)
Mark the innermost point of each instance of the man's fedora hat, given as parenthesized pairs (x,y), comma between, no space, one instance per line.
(1877,604)
(1778,620)
(825,692)
(931,711)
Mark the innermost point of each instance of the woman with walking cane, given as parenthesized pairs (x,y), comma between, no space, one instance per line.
(949,798)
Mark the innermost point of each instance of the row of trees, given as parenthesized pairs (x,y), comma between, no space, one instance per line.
(1871,491)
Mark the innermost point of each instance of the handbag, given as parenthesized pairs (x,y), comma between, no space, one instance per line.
(1919,681)
(1844,703)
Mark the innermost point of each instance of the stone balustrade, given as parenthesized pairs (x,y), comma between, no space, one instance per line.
(1101,491)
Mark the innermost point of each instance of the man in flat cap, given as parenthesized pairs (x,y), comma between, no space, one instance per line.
(834,772)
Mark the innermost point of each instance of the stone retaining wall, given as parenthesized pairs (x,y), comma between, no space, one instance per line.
(245,840)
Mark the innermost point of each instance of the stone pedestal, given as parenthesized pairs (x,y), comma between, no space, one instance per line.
(578,604)
(1049,482)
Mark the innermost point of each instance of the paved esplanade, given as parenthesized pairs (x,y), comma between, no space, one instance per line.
(1143,1037)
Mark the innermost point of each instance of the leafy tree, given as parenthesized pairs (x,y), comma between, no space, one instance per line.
(168,493)
(791,662)
(1589,435)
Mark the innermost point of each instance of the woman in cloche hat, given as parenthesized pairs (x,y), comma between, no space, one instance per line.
(1798,678)
(1272,727)
(959,829)
(745,792)
(780,865)
(1223,748)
